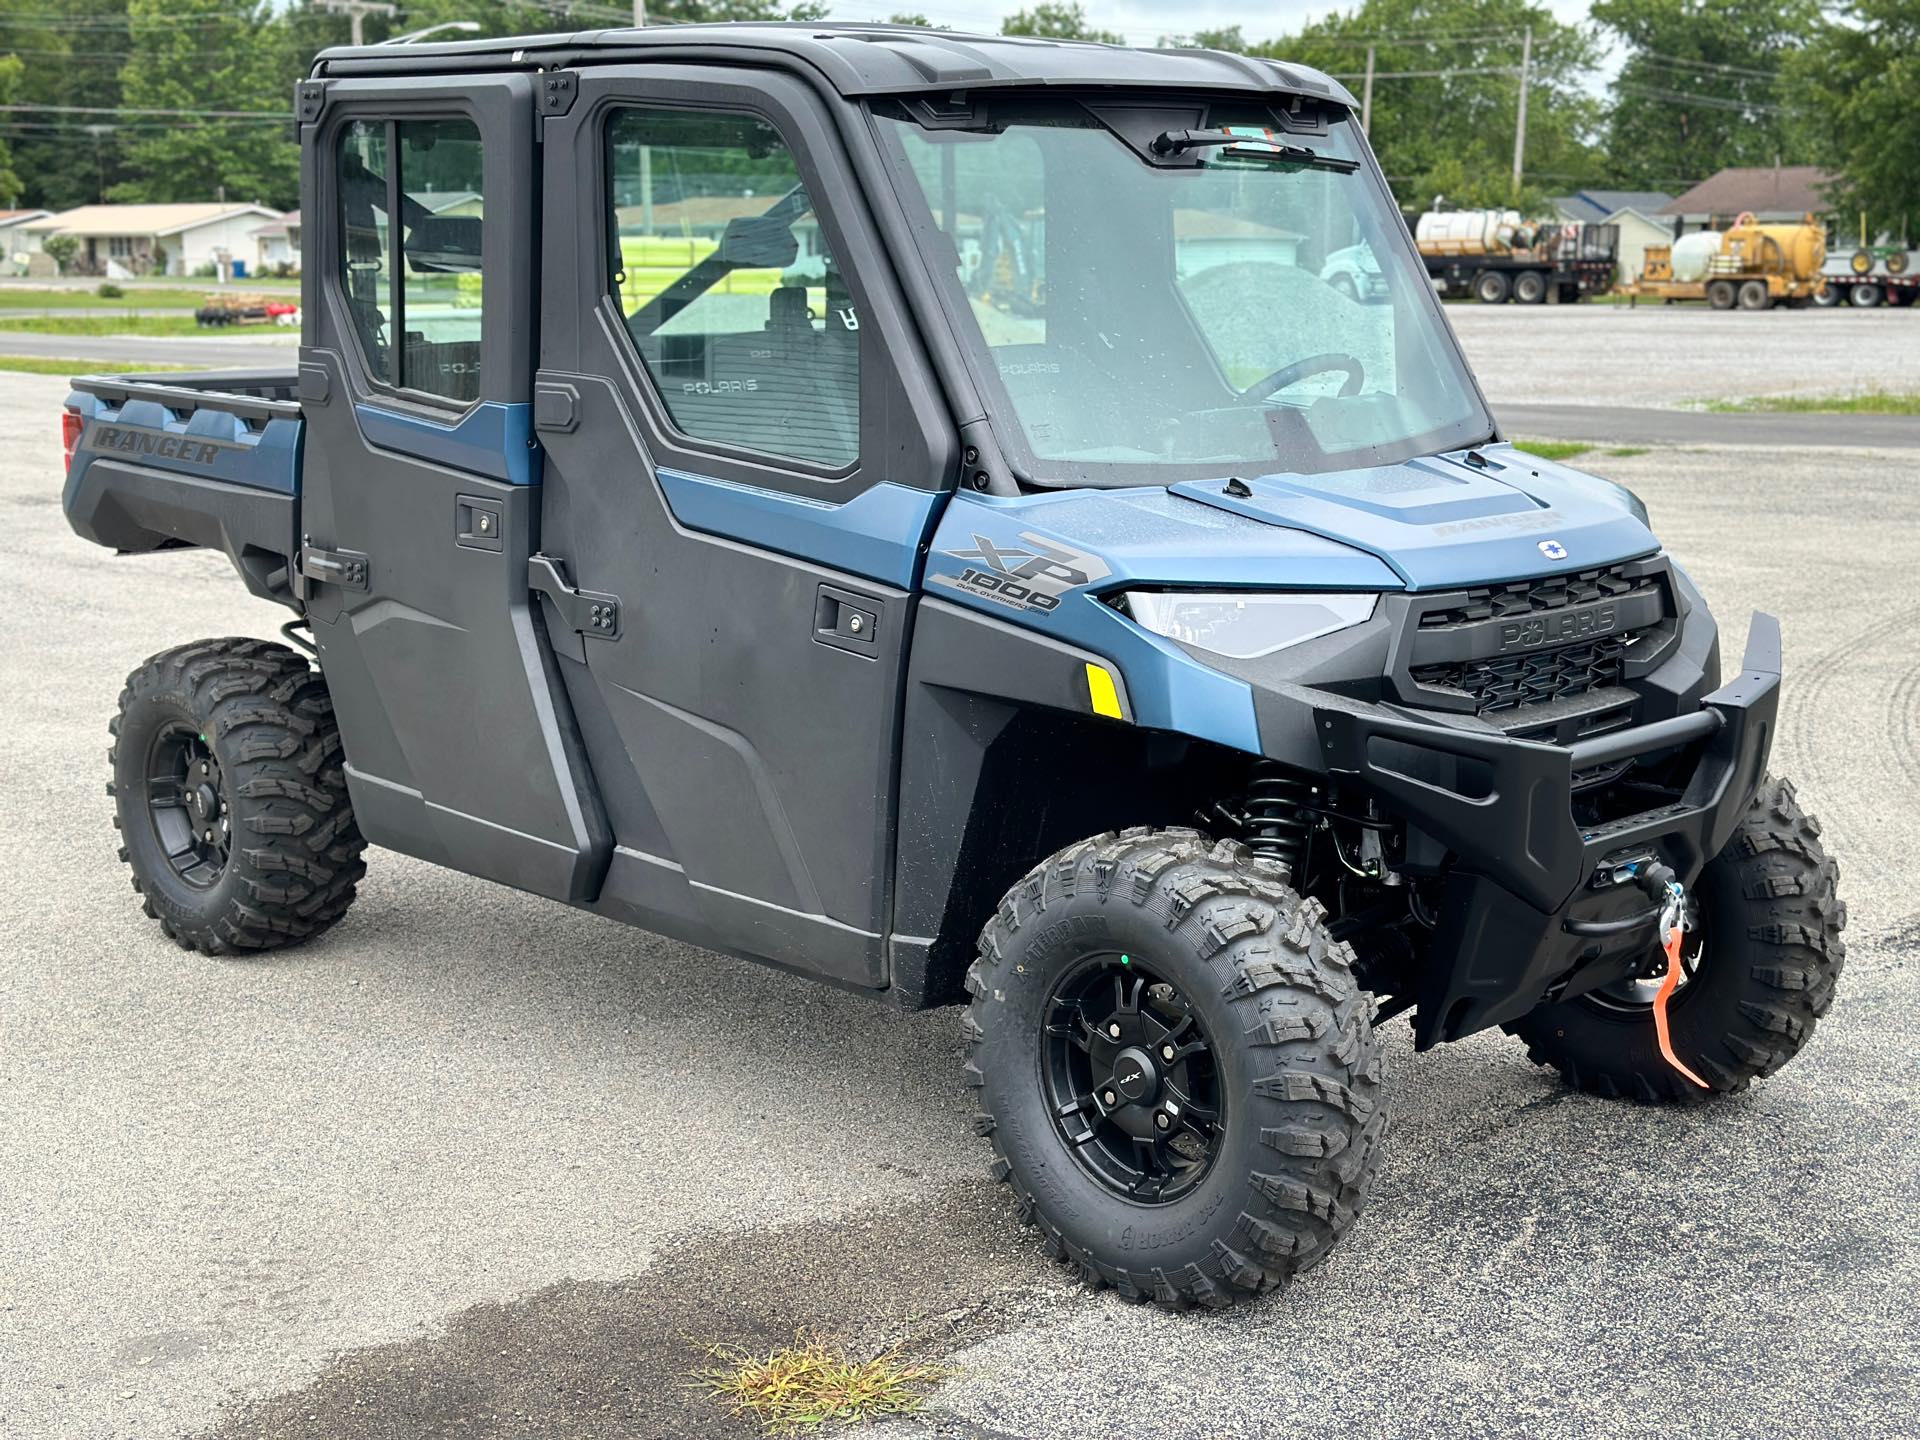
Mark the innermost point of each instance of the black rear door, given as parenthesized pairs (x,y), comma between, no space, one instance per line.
(422,476)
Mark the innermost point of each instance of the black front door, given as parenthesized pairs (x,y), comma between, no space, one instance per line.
(743,458)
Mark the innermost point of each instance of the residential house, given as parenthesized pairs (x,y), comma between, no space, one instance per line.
(1775,194)
(122,242)
(277,243)
(16,244)
(1636,212)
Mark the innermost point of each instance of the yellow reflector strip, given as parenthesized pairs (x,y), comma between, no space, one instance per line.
(1100,687)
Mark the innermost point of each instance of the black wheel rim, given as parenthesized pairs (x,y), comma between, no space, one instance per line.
(1131,1079)
(188,805)
(1634,995)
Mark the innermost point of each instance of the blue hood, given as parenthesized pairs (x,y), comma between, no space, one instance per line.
(1440,521)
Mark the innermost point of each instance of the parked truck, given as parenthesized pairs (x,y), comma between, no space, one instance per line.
(1497,255)
(1750,267)
(1186,675)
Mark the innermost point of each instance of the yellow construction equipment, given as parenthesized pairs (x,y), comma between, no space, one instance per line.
(1750,266)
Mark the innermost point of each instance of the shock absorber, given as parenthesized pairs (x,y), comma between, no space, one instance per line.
(1277,818)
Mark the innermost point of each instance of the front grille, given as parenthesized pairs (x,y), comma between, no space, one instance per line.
(1533,597)
(1506,682)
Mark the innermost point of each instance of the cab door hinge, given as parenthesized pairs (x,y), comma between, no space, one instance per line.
(586,612)
(348,569)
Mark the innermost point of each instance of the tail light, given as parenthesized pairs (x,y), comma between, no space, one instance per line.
(72,424)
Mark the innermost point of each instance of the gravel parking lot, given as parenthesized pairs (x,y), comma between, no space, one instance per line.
(476,1165)
(1668,355)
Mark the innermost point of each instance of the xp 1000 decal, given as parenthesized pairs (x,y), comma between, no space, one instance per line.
(1030,575)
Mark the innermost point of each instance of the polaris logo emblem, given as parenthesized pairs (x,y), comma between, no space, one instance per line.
(1560,629)
(1553,550)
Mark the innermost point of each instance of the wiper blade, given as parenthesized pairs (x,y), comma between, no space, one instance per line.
(1250,142)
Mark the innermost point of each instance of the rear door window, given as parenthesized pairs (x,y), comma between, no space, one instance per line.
(414,290)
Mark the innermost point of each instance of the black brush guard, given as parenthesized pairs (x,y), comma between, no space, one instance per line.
(1504,808)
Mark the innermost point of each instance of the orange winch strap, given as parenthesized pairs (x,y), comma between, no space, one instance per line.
(1667,987)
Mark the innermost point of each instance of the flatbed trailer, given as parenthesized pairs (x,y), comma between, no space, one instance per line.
(1864,292)
(1569,263)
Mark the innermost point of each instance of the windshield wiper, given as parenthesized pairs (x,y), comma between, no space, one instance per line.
(1257,144)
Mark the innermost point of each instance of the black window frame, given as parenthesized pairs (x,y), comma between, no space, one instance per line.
(830,229)
(501,106)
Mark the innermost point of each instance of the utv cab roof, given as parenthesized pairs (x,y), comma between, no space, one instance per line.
(857,60)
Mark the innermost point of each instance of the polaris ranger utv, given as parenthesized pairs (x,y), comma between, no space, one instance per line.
(907,509)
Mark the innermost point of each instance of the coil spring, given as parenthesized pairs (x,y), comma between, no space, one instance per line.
(1277,818)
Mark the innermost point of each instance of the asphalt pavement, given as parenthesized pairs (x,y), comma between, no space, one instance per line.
(477,1165)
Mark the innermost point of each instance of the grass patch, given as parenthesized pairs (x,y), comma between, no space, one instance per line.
(1553,449)
(811,1384)
(137,298)
(1624,450)
(1874,402)
(99,323)
(42,365)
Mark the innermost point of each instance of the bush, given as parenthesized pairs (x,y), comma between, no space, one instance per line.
(61,249)
(110,291)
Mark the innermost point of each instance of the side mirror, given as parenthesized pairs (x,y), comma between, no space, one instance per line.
(444,244)
(758,242)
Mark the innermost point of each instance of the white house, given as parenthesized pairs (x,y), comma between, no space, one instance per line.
(16,244)
(1636,212)
(277,243)
(122,242)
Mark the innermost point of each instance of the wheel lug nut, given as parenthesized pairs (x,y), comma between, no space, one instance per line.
(1167,1053)
(1161,1120)
(1109,1099)
(1114,1030)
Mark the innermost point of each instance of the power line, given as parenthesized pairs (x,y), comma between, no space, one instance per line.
(136,110)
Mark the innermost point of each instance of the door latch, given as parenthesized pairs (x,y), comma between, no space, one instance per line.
(588,612)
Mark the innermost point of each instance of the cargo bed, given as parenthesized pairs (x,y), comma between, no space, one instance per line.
(161,462)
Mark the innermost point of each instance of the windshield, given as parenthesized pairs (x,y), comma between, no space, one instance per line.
(1211,309)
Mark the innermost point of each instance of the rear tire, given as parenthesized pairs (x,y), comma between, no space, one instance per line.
(1770,958)
(1491,287)
(231,798)
(1530,287)
(1863,297)
(1276,1086)
(1722,294)
(1754,295)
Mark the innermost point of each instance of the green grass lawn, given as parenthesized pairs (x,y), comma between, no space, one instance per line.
(1573,449)
(43,365)
(1874,402)
(108,323)
(138,298)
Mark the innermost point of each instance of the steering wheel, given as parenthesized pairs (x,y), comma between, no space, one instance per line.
(1313,365)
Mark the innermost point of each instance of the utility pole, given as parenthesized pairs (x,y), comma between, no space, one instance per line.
(1366,97)
(639,14)
(1520,128)
(357,11)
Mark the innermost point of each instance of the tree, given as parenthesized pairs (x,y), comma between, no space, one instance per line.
(1228,39)
(70,56)
(61,249)
(1446,94)
(1057,20)
(201,57)
(1853,95)
(10,72)
(1698,89)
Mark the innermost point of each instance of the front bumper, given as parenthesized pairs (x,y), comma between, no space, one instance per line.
(1503,806)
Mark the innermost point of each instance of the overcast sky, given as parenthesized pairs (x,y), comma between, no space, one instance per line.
(1141,22)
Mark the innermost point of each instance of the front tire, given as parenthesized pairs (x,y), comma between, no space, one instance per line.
(1766,960)
(230,797)
(1192,977)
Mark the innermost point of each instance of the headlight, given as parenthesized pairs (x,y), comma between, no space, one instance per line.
(1245,627)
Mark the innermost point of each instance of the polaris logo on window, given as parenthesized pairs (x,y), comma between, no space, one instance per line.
(1556,629)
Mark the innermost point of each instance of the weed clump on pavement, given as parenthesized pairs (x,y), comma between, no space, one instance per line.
(813,1383)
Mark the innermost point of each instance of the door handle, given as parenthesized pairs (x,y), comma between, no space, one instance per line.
(588,612)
